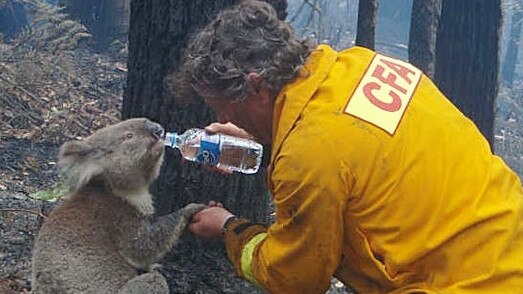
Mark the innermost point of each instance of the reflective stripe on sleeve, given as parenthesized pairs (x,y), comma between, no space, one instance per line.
(246,259)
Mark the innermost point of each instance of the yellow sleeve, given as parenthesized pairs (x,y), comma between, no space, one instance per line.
(238,234)
(300,252)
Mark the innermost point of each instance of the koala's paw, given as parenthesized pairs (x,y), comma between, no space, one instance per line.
(191,209)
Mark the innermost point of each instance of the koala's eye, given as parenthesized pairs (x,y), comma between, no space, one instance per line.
(129,135)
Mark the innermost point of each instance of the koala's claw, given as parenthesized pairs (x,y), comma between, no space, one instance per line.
(192,208)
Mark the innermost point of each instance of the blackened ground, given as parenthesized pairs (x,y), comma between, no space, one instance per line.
(24,168)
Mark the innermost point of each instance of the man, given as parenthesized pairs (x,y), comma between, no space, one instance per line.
(377,178)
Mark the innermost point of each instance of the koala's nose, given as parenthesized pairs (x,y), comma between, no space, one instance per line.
(154,128)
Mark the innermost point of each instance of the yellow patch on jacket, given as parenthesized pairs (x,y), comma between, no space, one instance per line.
(384,92)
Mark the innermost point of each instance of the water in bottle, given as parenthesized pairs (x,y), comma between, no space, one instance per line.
(235,154)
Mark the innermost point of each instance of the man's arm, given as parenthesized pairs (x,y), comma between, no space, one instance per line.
(300,252)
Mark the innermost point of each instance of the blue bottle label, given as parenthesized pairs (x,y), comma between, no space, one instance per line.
(209,151)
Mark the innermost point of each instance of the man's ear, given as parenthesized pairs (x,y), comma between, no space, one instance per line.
(258,86)
(254,81)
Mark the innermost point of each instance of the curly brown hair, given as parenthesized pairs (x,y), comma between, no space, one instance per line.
(245,38)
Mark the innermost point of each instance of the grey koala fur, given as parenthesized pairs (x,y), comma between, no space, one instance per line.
(104,234)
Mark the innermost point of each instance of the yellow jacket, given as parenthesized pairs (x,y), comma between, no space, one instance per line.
(380,181)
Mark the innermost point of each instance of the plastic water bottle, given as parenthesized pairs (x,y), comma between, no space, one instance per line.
(235,154)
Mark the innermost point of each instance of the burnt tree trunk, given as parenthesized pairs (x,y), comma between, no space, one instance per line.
(467,58)
(107,20)
(158,34)
(13,18)
(113,22)
(366,23)
(422,39)
(511,56)
(84,10)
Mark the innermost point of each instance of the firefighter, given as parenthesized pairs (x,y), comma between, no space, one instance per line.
(377,178)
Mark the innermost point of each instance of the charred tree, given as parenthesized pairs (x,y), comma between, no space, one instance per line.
(107,20)
(113,22)
(84,10)
(158,35)
(467,58)
(366,23)
(511,56)
(13,17)
(422,39)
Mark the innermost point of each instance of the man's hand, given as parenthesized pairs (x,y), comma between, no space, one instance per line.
(228,129)
(209,222)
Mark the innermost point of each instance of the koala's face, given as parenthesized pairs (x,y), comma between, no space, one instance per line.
(136,138)
(128,155)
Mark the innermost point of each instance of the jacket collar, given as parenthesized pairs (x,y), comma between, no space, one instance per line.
(291,101)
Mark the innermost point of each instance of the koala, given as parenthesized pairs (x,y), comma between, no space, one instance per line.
(103,238)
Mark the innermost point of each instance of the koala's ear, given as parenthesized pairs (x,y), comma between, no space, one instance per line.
(78,163)
(75,148)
